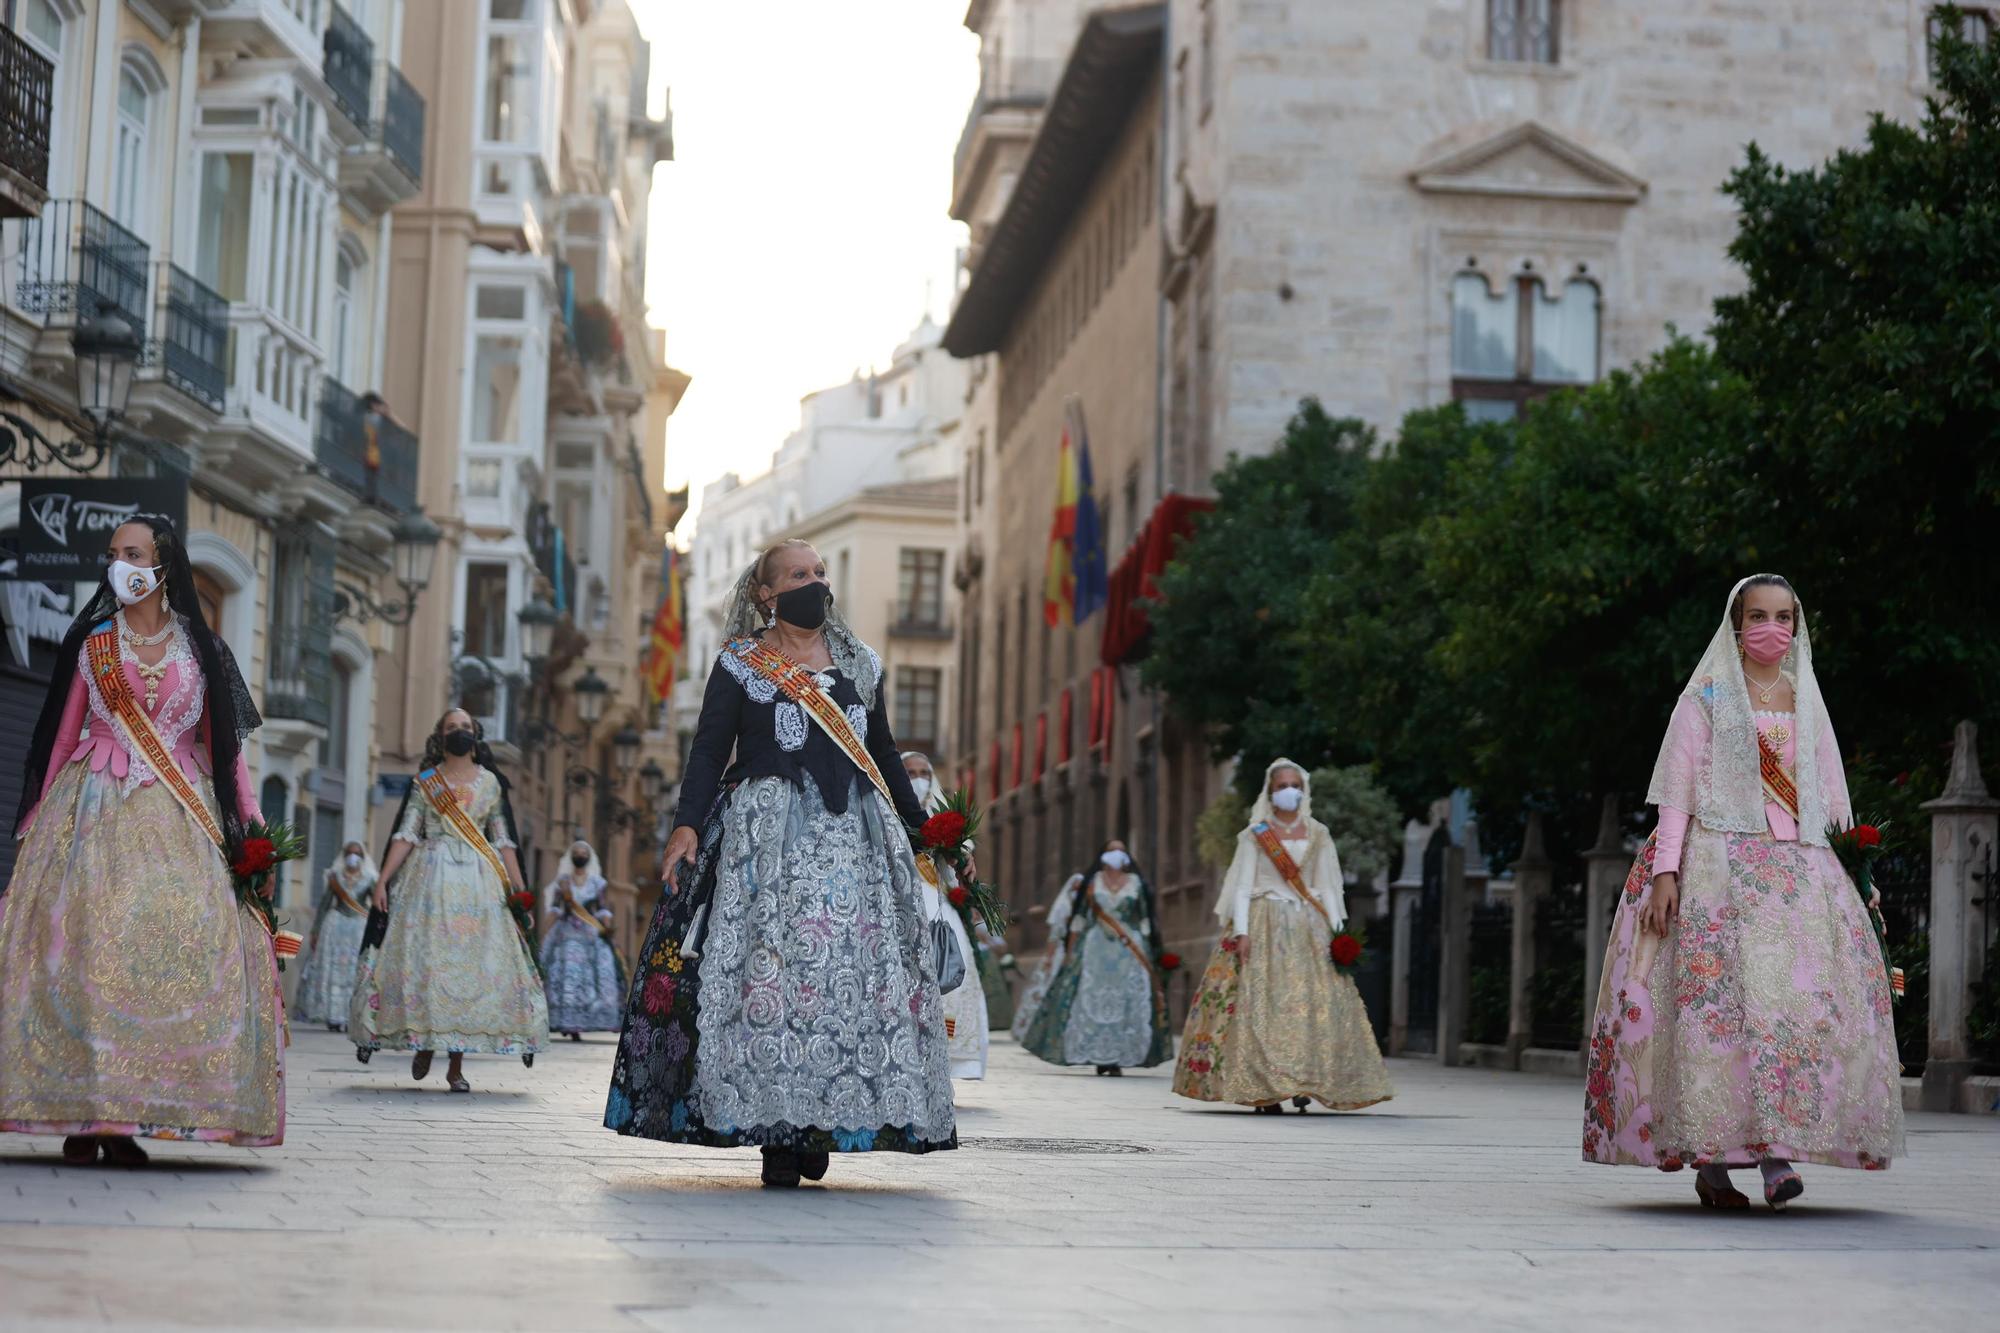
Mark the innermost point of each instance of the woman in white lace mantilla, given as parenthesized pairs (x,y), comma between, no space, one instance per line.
(586,986)
(786,997)
(1744,1016)
(965,1019)
(326,979)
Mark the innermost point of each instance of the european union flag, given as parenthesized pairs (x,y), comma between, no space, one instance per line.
(1089,564)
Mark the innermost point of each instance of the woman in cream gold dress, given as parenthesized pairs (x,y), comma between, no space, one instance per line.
(1274,1020)
(1744,1016)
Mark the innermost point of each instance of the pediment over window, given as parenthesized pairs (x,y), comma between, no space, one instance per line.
(1527,161)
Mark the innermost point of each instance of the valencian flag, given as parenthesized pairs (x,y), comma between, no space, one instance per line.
(1073,584)
(668,632)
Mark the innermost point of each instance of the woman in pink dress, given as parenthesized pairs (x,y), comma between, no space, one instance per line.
(1744,1016)
(138,997)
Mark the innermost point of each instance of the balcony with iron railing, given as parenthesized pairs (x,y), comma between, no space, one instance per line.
(387,166)
(27,83)
(298,674)
(919,620)
(349,65)
(74,261)
(365,452)
(193,348)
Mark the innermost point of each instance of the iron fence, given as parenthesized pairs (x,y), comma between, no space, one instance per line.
(75,260)
(1556,990)
(403,122)
(194,342)
(349,65)
(1491,958)
(27,83)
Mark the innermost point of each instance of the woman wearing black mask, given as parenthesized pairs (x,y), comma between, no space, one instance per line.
(586,988)
(786,997)
(453,971)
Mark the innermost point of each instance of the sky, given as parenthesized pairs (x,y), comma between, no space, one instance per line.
(803,222)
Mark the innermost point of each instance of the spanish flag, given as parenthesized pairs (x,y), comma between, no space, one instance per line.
(1059,577)
(665,651)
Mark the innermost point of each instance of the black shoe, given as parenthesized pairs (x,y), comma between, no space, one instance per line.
(813,1165)
(1302,1103)
(1113,1071)
(1275,1108)
(528,1060)
(781,1168)
(361,1054)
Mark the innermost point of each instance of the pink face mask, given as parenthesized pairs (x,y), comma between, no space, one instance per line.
(1766,642)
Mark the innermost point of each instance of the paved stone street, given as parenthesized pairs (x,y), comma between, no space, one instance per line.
(1077,1203)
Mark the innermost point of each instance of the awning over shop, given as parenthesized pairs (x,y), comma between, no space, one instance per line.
(1134,581)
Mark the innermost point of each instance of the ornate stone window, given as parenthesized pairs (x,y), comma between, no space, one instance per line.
(1515,343)
(1523,31)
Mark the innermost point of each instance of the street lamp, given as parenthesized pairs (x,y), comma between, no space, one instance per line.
(625,750)
(652,782)
(590,691)
(415,553)
(107,348)
(538,626)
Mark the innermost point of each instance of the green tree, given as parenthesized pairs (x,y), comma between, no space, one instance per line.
(1870,330)
(1230,608)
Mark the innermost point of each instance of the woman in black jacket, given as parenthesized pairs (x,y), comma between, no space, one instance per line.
(786,996)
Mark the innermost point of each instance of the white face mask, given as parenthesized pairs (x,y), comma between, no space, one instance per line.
(132,584)
(922,786)
(1116,860)
(1288,799)
(354,860)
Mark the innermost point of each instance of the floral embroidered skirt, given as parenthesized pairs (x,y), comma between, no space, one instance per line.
(808,1017)
(1285,1024)
(453,973)
(1097,1008)
(586,987)
(136,995)
(1761,1027)
(326,979)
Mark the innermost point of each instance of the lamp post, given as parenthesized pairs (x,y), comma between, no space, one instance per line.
(538,627)
(412,560)
(107,348)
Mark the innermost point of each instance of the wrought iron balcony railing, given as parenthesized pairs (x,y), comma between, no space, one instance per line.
(75,260)
(364,451)
(27,81)
(350,64)
(194,338)
(298,676)
(403,122)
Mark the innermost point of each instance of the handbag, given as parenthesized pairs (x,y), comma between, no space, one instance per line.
(950,962)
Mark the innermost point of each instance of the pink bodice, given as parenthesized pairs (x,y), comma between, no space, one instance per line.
(88,733)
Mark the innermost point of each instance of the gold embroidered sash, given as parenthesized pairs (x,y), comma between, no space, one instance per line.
(343,898)
(801,686)
(1281,861)
(576,910)
(443,800)
(106,668)
(1124,937)
(1778,784)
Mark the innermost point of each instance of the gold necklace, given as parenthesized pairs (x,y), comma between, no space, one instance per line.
(151,675)
(1763,690)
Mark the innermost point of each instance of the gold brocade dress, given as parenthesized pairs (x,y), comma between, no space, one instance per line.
(1285,1022)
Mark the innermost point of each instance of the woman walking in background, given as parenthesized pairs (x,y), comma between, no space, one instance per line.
(586,986)
(964,1006)
(1100,997)
(326,978)
(1744,1017)
(786,997)
(138,996)
(1275,1020)
(454,972)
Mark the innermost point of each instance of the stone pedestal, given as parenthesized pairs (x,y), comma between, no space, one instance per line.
(1403,891)
(1607,864)
(1533,874)
(1964,822)
(1454,958)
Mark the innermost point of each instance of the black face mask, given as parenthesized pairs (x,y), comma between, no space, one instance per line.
(459,742)
(805,605)
(579,861)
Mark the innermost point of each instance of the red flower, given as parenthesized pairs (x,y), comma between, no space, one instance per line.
(258,856)
(959,895)
(1346,950)
(1229,945)
(522,900)
(1169,961)
(946,828)
(1867,835)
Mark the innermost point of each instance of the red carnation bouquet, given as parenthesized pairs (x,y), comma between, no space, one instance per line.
(521,906)
(1858,847)
(947,838)
(1349,947)
(1169,962)
(254,872)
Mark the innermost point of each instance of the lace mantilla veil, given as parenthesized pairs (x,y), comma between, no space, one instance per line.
(1727,782)
(856,660)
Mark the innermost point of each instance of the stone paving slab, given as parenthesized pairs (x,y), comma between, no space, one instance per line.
(1076,1203)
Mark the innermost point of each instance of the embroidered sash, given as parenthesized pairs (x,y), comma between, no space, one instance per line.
(801,686)
(106,668)
(343,899)
(1281,861)
(443,800)
(576,910)
(1778,784)
(1124,937)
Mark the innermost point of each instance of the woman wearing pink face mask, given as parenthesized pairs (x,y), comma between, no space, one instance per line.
(1744,1016)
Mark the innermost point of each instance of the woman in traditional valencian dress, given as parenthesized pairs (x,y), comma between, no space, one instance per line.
(965,1006)
(1744,1015)
(586,987)
(138,996)
(454,972)
(326,980)
(786,997)
(1100,998)
(1275,1020)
